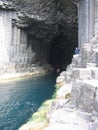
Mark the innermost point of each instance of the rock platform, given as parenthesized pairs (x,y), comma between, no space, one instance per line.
(76,105)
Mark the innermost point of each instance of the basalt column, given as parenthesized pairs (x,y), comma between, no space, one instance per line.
(87,20)
(16,54)
(21,52)
(5,38)
(96,18)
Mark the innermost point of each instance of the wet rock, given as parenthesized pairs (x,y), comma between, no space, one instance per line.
(34,126)
(64,92)
(60,81)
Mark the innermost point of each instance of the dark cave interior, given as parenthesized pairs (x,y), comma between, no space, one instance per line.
(56,51)
(54,42)
(53,37)
(51,28)
(61,51)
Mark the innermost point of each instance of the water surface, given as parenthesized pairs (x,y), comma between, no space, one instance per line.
(19,99)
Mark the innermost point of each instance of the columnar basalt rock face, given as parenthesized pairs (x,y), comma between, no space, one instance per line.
(15,55)
(28,30)
(21,45)
(81,76)
(50,20)
(83,69)
(80,111)
(88,24)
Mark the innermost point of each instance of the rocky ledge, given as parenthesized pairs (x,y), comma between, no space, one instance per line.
(32,71)
(76,103)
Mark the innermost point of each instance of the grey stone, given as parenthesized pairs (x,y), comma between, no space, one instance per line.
(87,95)
(94,71)
(86,54)
(96,101)
(57,104)
(82,73)
(97,58)
(75,93)
(76,60)
(68,73)
(60,80)
(91,65)
(68,118)
(84,95)
(65,91)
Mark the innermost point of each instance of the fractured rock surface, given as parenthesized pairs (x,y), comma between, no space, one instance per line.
(81,111)
(27,30)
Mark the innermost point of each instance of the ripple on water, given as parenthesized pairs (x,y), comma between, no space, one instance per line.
(19,99)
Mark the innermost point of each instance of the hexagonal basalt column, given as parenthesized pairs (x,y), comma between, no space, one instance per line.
(85,95)
(82,73)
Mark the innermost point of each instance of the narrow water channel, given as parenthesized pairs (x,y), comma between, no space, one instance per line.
(19,99)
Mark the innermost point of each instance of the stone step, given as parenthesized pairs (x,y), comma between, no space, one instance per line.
(85,73)
(76,61)
(85,95)
(82,73)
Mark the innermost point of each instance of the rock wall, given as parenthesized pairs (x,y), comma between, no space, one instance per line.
(14,53)
(20,51)
(5,37)
(77,99)
(28,30)
(88,23)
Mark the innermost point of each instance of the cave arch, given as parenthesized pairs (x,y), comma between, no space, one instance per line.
(60,52)
(31,35)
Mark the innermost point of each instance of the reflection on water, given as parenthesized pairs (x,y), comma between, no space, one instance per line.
(19,99)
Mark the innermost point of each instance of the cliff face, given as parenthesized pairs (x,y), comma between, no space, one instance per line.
(36,32)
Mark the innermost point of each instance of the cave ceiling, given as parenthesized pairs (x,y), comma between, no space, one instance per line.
(45,18)
(49,16)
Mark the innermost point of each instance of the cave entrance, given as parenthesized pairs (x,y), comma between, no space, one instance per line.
(61,52)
